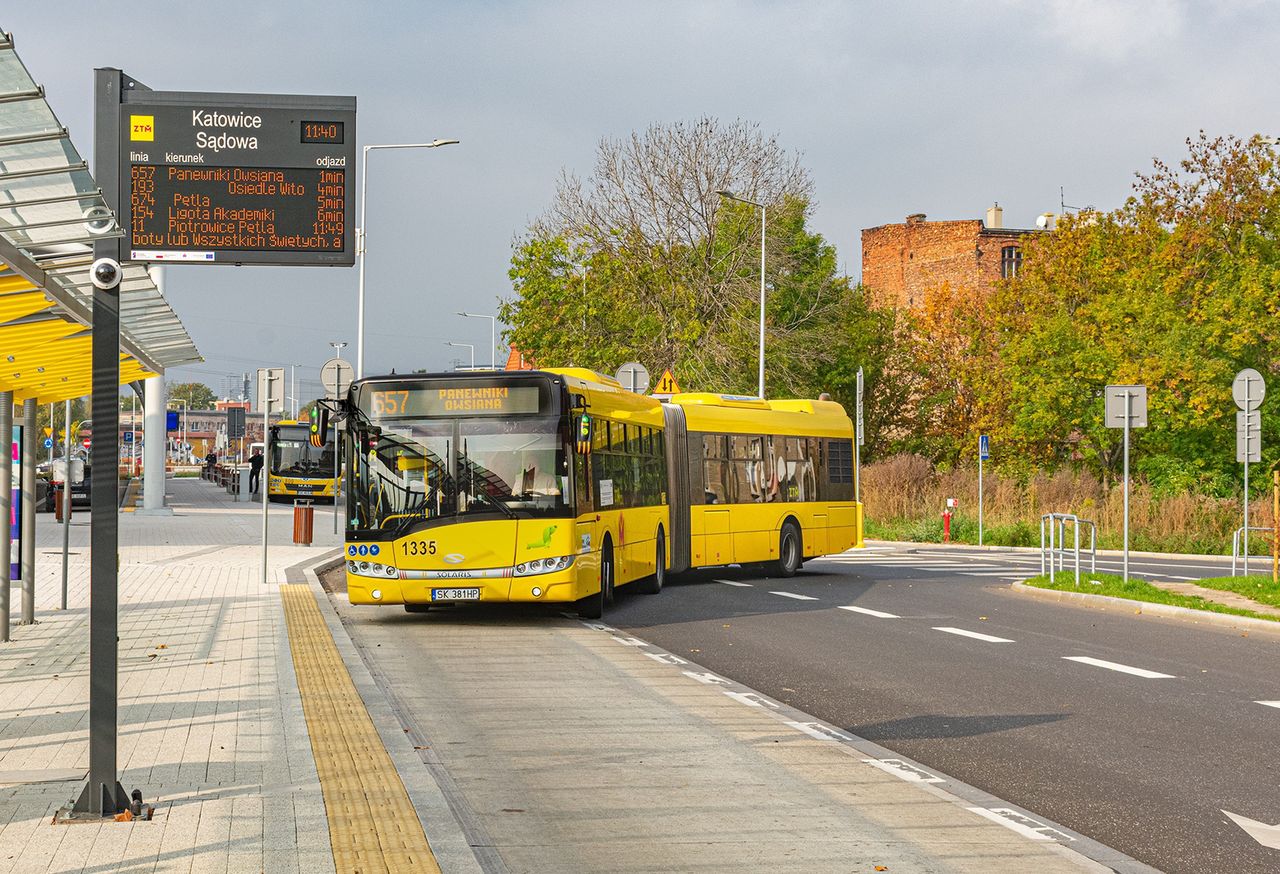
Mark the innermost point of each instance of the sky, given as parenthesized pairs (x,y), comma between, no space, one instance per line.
(934,107)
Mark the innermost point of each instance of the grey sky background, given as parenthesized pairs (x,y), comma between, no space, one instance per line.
(938,107)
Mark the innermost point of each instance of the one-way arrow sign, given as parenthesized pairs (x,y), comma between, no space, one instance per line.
(1267,835)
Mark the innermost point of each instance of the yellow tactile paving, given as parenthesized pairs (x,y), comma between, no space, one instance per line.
(372,824)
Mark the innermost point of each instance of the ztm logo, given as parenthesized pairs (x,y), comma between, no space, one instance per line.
(142,127)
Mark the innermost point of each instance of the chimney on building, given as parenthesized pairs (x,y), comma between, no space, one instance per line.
(915,218)
(995,216)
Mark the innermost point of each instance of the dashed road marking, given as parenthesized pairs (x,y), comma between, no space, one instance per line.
(904,771)
(819,731)
(1268,703)
(1011,574)
(879,614)
(1124,669)
(751,699)
(794,595)
(1022,824)
(734,583)
(976,635)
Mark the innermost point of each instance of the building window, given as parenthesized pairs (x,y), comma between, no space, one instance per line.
(1010,261)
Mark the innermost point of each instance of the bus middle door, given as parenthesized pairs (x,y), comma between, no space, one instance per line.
(586,541)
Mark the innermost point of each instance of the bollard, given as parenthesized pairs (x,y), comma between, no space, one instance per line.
(303,520)
(60,501)
(946,526)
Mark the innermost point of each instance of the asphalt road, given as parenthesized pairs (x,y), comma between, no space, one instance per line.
(1140,746)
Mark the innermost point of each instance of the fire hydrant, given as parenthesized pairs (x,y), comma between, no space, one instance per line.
(946,519)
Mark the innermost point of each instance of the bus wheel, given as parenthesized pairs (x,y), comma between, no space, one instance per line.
(416,608)
(789,556)
(653,585)
(592,606)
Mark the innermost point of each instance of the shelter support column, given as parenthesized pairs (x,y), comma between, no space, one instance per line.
(28,516)
(153,442)
(6,506)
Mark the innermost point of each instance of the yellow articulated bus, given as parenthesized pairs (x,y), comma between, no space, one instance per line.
(297,467)
(559,486)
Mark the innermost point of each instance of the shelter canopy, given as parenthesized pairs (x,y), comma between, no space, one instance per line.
(51,211)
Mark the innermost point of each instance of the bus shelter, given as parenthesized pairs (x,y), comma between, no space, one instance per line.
(51,212)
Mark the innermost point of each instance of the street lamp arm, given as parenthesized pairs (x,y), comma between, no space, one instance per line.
(434,144)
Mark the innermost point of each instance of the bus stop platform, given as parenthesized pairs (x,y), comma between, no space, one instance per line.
(267,742)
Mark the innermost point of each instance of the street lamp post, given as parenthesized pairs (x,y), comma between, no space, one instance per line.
(468,346)
(729,195)
(293,388)
(493,336)
(360,234)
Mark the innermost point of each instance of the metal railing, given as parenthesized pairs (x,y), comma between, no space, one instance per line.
(1054,558)
(1235,544)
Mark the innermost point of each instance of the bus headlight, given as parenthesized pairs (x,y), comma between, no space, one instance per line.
(543,566)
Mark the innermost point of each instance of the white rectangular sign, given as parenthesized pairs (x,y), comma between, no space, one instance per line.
(270,390)
(606,493)
(1130,397)
(1252,422)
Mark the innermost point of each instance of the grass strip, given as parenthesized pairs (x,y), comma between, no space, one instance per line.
(1140,590)
(1256,588)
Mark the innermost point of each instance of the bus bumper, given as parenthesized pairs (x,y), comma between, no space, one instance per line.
(557,587)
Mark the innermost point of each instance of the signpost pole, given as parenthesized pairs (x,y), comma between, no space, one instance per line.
(1247,399)
(1128,418)
(264,476)
(66,496)
(28,519)
(857,445)
(102,794)
(981,456)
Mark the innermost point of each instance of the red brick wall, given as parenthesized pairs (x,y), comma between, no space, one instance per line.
(901,262)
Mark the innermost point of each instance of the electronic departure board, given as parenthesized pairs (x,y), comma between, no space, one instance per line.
(237,178)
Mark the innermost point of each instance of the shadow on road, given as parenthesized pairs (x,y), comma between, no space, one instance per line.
(934,726)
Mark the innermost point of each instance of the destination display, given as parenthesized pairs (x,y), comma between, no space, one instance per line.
(424,402)
(237,178)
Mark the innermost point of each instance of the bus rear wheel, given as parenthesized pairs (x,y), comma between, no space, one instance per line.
(653,585)
(789,550)
(592,606)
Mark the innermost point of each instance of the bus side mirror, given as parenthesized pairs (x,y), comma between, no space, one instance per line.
(578,402)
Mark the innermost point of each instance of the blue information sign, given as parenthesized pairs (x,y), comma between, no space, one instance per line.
(171,420)
(984,447)
(48,443)
(128,436)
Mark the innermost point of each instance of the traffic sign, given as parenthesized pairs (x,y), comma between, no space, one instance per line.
(984,446)
(270,389)
(1126,403)
(128,436)
(335,376)
(48,443)
(1249,389)
(634,377)
(666,384)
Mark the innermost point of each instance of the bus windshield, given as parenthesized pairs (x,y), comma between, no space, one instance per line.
(293,455)
(411,470)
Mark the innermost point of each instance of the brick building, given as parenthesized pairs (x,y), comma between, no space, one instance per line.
(901,262)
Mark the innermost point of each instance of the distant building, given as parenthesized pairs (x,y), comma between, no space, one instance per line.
(901,262)
(517,360)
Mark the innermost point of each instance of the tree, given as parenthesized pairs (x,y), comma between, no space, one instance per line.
(646,261)
(197,395)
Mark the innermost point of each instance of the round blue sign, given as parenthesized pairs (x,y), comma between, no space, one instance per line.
(351,550)
(48,443)
(364,550)
(373,549)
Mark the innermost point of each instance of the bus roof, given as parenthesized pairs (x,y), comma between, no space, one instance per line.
(736,414)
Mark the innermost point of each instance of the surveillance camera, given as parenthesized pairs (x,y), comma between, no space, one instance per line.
(99,220)
(105,273)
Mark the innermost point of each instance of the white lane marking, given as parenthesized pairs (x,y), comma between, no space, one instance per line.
(1124,669)
(794,595)
(1187,579)
(630,641)
(1023,825)
(751,699)
(706,678)
(974,634)
(903,771)
(734,583)
(666,658)
(1268,703)
(879,614)
(1019,574)
(819,731)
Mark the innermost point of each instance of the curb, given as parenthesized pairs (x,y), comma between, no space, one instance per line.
(1085,599)
(1035,550)
(449,844)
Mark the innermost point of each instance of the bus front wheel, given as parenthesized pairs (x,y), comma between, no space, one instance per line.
(789,550)
(592,606)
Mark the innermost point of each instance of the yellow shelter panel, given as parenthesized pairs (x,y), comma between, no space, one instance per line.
(11,282)
(16,305)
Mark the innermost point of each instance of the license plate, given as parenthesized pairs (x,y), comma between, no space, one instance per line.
(455,594)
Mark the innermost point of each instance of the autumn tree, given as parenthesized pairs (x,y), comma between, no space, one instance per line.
(197,395)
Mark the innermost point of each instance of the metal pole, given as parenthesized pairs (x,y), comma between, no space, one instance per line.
(133,435)
(293,388)
(857,445)
(1275,526)
(28,512)
(762,231)
(264,477)
(6,508)
(103,795)
(1248,399)
(979,491)
(53,435)
(337,473)
(360,252)
(1128,415)
(66,497)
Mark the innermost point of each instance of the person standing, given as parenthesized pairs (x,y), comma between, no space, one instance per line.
(255,470)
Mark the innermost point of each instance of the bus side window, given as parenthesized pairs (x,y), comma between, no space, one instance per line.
(750,475)
(715,485)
